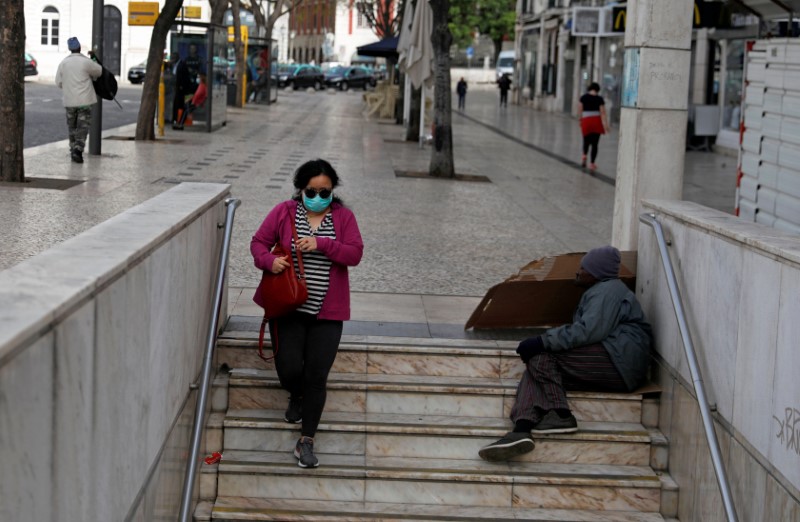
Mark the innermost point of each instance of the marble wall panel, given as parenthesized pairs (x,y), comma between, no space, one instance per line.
(780,504)
(758,332)
(664,379)
(784,451)
(74,382)
(121,402)
(26,431)
(686,435)
(748,483)
(708,499)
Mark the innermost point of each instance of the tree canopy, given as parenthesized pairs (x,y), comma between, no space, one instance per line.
(493,18)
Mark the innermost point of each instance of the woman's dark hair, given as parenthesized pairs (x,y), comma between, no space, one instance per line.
(312,169)
(594,86)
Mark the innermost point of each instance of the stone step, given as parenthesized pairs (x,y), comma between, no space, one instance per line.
(448,482)
(423,395)
(447,437)
(239,508)
(396,356)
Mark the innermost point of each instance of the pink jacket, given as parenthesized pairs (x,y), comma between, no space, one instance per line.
(346,250)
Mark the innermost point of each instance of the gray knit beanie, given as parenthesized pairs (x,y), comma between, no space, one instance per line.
(602,263)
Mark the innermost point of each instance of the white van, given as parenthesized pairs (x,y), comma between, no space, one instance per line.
(505,64)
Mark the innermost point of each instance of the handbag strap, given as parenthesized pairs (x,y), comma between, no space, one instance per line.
(302,274)
(261,342)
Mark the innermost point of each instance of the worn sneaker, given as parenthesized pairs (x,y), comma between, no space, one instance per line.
(294,413)
(514,443)
(304,453)
(551,423)
(77,156)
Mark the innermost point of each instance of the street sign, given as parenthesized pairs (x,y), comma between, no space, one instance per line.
(142,13)
(470,52)
(630,78)
(231,36)
(192,11)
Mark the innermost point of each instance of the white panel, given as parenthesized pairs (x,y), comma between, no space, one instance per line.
(791,105)
(781,224)
(754,94)
(791,78)
(750,164)
(764,218)
(788,208)
(768,174)
(769,150)
(747,210)
(771,125)
(773,77)
(773,101)
(766,200)
(790,130)
(753,117)
(748,188)
(789,182)
(789,156)
(756,70)
(751,141)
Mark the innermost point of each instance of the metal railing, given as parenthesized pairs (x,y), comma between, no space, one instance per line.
(694,369)
(205,374)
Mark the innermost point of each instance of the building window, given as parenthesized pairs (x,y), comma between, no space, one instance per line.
(50,26)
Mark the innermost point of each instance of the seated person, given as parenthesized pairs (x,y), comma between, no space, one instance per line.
(605,348)
(198,99)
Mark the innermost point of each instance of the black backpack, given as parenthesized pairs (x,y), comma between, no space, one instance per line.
(106,85)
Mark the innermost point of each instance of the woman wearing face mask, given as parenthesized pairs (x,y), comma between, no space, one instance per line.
(307,339)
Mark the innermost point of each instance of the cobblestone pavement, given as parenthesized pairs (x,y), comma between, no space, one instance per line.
(427,236)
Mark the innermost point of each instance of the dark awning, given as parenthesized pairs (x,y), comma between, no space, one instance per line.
(386,48)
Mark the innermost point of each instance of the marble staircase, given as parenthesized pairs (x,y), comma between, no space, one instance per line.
(399,438)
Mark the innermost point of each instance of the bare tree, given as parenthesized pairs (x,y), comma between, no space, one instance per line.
(383,16)
(442,164)
(12,90)
(145,126)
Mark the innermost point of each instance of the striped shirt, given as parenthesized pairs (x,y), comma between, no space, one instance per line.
(316,264)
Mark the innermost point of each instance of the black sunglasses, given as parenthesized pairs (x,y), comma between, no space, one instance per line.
(323,193)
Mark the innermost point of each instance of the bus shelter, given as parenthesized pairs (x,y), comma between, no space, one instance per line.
(197,49)
(261,70)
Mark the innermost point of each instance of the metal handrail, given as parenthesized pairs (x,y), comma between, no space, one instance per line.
(694,369)
(205,375)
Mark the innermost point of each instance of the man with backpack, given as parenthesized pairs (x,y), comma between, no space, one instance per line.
(75,75)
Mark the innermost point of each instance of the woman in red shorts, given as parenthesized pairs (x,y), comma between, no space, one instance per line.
(594,122)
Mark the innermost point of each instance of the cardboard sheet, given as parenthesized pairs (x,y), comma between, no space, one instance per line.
(541,294)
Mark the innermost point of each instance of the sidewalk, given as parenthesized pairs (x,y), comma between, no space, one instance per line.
(423,237)
(709,179)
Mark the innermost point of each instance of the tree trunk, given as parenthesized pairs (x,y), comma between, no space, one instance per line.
(218,11)
(442,154)
(145,125)
(12,90)
(498,46)
(238,46)
(412,132)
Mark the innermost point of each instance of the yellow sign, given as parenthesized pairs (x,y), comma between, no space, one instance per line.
(142,13)
(191,11)
(244,33)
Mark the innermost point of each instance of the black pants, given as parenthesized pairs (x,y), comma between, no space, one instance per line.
(307,347)
(504,98)
(591,140)
(461,99)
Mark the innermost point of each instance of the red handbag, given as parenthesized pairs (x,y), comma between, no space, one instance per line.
(281,293)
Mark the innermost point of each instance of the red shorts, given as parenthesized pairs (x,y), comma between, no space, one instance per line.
(592,125)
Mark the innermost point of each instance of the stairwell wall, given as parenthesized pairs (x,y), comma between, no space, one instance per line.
(740,284)
(100,339)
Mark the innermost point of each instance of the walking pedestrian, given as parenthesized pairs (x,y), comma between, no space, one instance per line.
(504,84)
(306,341)
(605,348)
(461,90)
(593,121)
(74,77)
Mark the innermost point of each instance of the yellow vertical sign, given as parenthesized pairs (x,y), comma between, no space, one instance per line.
(142,13)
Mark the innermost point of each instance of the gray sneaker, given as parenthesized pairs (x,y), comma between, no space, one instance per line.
(294,413)
(304,453)
(514,443)
(551,423)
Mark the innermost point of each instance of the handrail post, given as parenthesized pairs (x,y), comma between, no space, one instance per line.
(694,369)
(205,374)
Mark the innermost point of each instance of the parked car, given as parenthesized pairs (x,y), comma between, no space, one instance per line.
(30,65)
(305,76)
(285,71)
(343,78)
(136,73)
